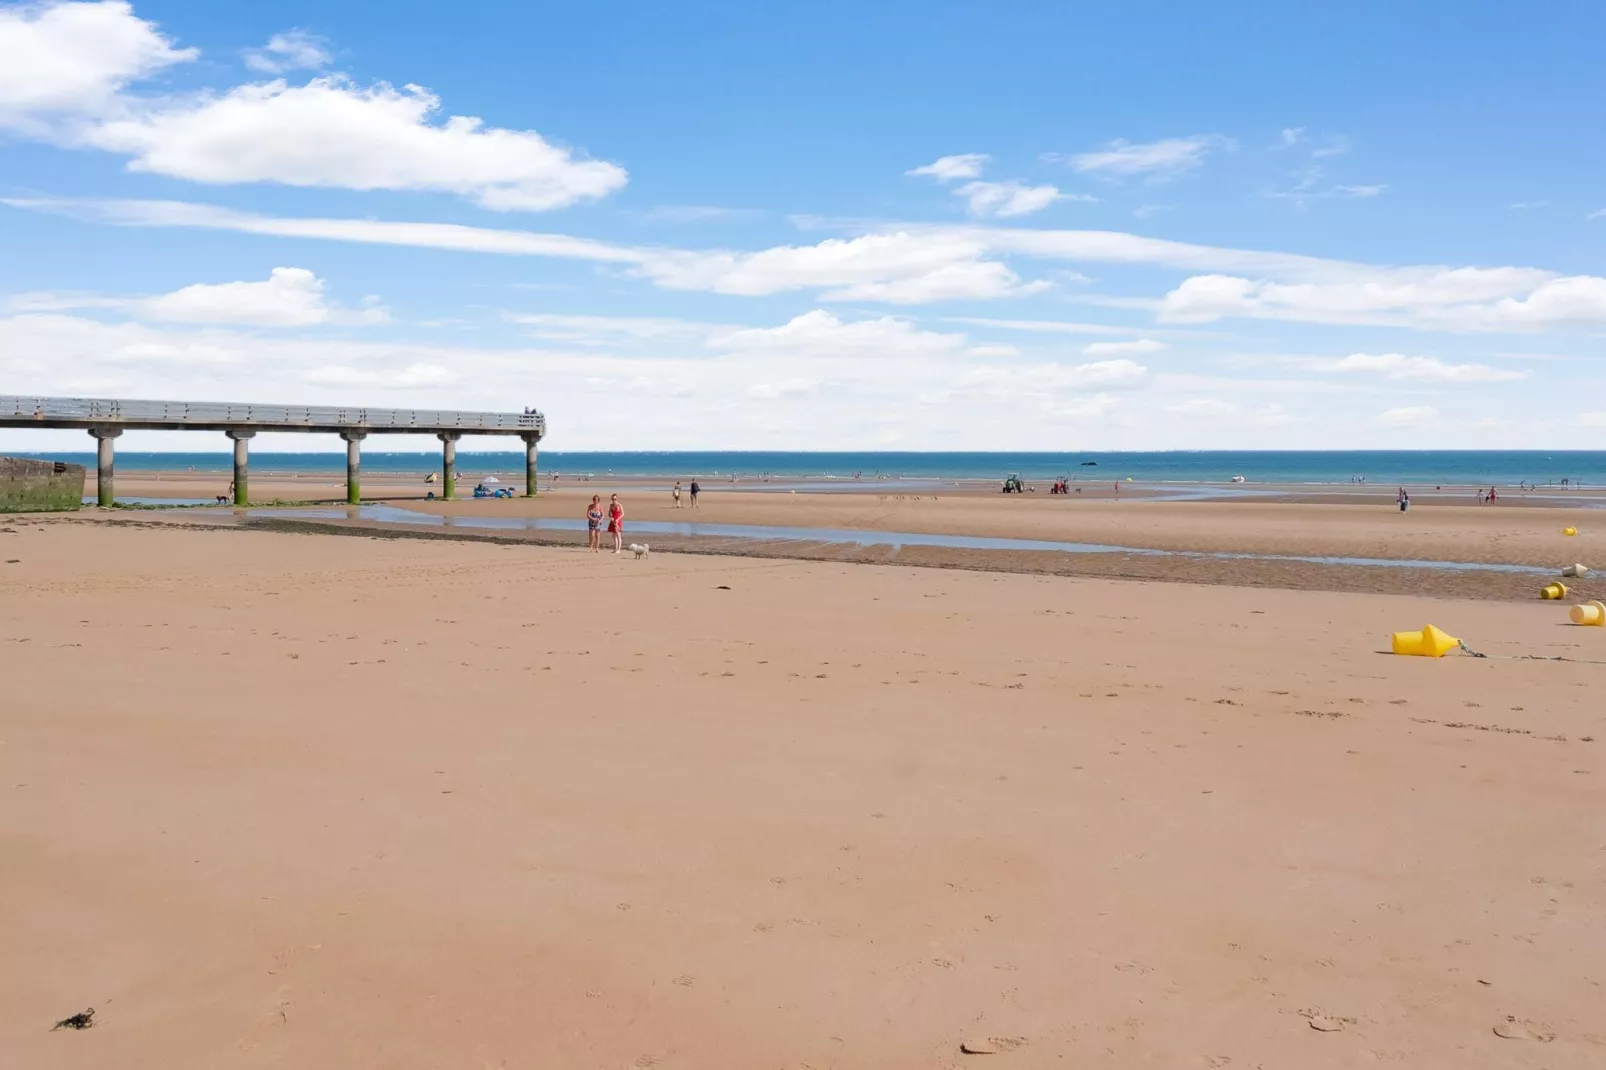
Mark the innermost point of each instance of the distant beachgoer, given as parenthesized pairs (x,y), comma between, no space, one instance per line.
(1405,500)
(1493,497)
(676,493)
(695,490)
(616,522)
(594,524)
(1480,495)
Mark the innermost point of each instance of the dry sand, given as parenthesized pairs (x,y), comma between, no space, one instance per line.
(307,801)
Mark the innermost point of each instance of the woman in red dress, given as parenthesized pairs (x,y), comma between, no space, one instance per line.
(616,522)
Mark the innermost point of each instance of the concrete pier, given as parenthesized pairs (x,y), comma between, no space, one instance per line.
(353,465)
(107,418)
(449,464)
(242,464)
(531,468)
(106,463)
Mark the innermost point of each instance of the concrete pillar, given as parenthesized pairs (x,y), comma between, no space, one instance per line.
(449,463)
(353,465)
(242,455)
(105,456)
(531,468)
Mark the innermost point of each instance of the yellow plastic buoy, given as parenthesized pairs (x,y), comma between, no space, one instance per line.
(1569,531)
(1430,642)
(1578,571)
(1554,591)
(1592,613)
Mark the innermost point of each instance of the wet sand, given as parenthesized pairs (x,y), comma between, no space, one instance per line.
(312,801)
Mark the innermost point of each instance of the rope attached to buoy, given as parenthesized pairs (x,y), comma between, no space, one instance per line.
(1529,657)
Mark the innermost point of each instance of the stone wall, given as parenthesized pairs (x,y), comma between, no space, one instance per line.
(40,486)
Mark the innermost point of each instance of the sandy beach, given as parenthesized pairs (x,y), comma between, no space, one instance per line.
(312,801)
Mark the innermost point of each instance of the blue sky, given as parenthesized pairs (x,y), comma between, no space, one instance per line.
(823,225)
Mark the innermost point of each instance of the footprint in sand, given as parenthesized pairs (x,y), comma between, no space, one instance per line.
(1522,1029)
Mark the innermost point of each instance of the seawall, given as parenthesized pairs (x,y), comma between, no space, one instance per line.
(40,486)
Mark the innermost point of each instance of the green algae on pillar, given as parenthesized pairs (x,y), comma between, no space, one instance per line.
(242,458)
(353,465)
(105,456)
(530,467)
(449,463)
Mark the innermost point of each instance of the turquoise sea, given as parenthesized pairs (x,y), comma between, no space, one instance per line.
(1503,468)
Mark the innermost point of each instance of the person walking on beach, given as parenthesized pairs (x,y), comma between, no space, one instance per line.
(594,524)
(695,490)
(616,522)
(676,493)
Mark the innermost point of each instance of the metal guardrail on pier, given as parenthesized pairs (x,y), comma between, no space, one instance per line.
(17,411)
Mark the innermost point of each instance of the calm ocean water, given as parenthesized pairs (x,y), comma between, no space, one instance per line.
(1468,467)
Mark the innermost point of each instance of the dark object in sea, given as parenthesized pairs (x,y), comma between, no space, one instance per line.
(81,1020)
(1090,464)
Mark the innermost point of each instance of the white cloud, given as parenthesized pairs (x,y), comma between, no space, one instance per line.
(1006,199)
(1167,158)
(1398,366)
(411,377)
(1292,135)
(1591,419)
(1409,417)
(289,51)
(333,133)
(1048,326)
(820,333)
(1528,204)
(896,268)
(1359,191)
(1472,299)
(917,264)
(786,388)
(289,297)
(1141,345)
(1149,211)
(951,168)
(1597,214)
(73,57)
(603,329)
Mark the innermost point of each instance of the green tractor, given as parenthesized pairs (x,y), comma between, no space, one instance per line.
(1013,485)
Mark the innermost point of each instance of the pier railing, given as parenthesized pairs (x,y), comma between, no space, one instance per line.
(19,411)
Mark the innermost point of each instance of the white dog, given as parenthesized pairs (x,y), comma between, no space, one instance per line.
(640,549)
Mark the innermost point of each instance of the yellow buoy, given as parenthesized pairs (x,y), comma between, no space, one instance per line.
(1430,642)
(1592,613)
(1554,591)
(1569,531)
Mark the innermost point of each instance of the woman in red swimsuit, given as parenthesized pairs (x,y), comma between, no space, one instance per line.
(616,522)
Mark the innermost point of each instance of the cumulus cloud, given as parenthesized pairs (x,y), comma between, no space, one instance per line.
(1163,159)
(334,133)
(1140,345)
(1398,366)
(73,57)
(952,168)
(289,51)
(288,297)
